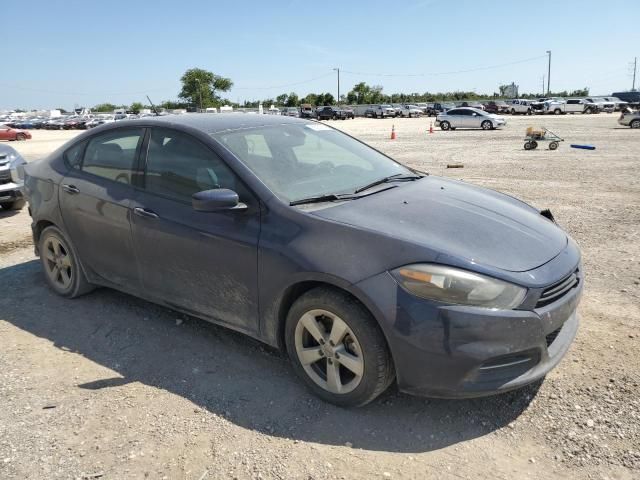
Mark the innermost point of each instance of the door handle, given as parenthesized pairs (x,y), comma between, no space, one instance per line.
(72,189)
(142,212)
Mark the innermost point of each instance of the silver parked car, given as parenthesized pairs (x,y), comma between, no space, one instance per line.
(467,117)
(410,111)
(630,118)
(11,178)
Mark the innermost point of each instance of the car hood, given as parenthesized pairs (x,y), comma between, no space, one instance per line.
(458,220)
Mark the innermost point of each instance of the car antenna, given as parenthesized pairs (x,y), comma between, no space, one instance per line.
(153,106)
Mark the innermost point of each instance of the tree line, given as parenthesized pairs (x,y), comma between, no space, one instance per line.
(202,88)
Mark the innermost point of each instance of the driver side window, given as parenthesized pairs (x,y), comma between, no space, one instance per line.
(178,166)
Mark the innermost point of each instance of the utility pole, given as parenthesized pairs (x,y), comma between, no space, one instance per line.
(338,70)
(543,85)
(635,64)
(549,75)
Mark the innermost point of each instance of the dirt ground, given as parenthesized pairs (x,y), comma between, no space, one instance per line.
(110,386)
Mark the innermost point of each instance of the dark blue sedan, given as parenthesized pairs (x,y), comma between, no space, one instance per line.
(365,271)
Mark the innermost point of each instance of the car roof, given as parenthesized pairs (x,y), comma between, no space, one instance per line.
(210,123)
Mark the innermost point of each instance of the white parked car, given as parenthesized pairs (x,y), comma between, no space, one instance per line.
(410,111)
(519,106)
(467,117)
(570,105)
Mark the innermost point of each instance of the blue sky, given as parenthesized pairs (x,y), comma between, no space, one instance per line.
(68,53)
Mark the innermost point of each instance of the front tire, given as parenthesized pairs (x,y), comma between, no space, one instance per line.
(61,265)
(20,137)
(14,205)
(486,125)
(635,124)
(337,348)
(445,125)
(557,111)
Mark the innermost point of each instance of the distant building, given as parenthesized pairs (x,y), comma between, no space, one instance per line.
(509,91)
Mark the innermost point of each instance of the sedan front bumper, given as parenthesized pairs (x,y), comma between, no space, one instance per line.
(453,351)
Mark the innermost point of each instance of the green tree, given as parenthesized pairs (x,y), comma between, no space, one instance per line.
(136,107)
(104,107)
(200,87)
(282,99)
(311,99)
(292,100)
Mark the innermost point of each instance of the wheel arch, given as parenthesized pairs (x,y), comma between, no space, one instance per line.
(296,290)
(39,227)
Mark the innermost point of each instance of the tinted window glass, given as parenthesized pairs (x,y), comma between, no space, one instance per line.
(178,166)
(454,112)
(73,156)
(112,155)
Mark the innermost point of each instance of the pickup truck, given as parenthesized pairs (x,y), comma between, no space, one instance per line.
(329,113)
(380,111)
(435,108)
(603,105)
(571,105)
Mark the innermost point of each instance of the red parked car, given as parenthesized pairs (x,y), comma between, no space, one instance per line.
(8,133)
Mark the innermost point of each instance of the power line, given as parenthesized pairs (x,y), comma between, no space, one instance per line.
(453,72)
(286,84)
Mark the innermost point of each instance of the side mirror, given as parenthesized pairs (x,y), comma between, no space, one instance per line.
(216,200)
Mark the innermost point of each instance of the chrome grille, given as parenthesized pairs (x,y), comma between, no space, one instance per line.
(558,290)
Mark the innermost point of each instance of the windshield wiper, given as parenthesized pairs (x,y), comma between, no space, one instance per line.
(324,198)
(391,178)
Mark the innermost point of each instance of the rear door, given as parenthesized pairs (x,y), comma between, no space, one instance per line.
(203,262)
(455,117)
(95,198)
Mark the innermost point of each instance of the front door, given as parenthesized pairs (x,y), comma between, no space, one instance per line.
(95,198)
(202,262)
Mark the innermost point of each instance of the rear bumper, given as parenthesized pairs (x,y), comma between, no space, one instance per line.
(459,352)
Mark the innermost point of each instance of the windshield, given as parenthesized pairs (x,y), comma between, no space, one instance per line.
(298,161)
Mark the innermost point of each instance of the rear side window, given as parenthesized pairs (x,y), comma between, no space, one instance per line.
(178,166)
(112,155)
(73,156)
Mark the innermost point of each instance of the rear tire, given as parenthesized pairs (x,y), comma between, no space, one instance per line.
(513,111)
(557,111)
(20,137)
(635,124)
(527,146)
(331,338)
(553,145)
(445,125)
(61,265)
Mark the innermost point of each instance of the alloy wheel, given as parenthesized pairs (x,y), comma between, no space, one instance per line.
(58,264)
(329,351)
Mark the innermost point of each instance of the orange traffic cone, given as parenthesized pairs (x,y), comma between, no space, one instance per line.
(430,127)
(393,132)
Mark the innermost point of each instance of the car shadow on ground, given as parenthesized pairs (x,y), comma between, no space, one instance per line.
(4,213)
(233,376)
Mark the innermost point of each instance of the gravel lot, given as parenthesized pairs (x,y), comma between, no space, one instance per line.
(109,386)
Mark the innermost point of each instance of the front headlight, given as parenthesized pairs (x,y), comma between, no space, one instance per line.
(458,287)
